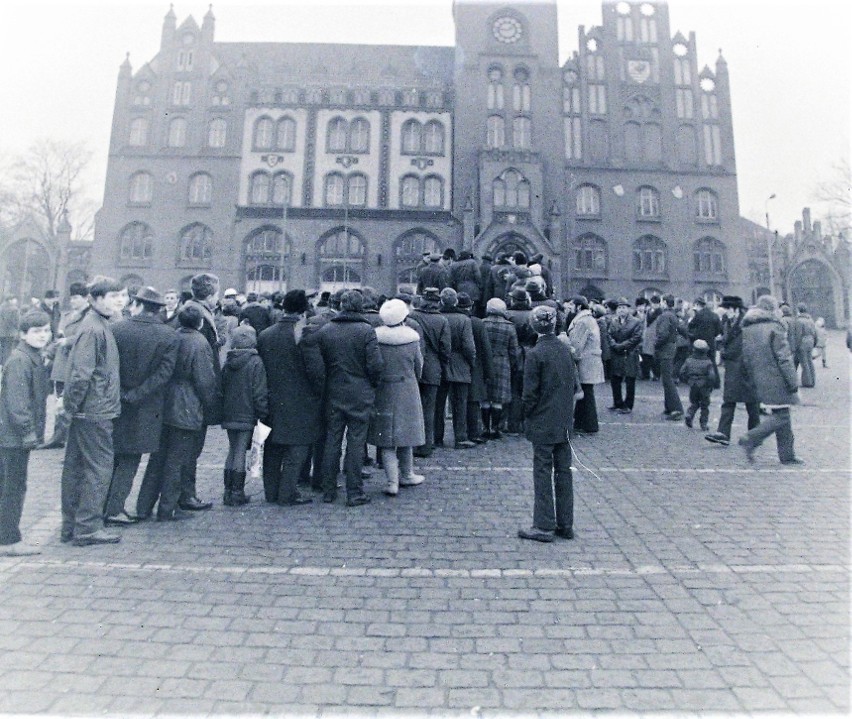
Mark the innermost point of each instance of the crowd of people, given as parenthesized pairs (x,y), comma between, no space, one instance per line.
(138,372)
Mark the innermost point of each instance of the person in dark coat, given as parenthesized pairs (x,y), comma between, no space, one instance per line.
(501,270)
(10,317)
(147,352)
(466,277)
(50,306)
(458,376)
(244,402)
(808,338)
(432,275)
(650,365)
(668,327)
(625,342)
(23,394)
(736,388)
(506,356)
(538,259)
(396,423)
(700,374)
(481,371)
(436,360)
(485,265)
(354,366)
(550,385)
(518,312)
(92,399)
(705,325)
(295,375)
(255,314)
(768,366)
(192,397)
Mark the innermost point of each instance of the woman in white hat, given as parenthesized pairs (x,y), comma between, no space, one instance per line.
(396,425)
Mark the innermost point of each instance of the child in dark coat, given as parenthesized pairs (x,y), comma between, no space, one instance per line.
(26,384)
(698,372)
(245,401)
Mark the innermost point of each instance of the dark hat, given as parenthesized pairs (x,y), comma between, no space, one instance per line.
(434,256)
(243,337)
(464,301)
(699,301)
(531,286)
(612,304)
(623,302)
(51,294)
(295,302)
(543,319)
(731,301)
(404,296)
(487,258)
(149,295)
(801,307)
(641,301)
(432,294)
(78,288)
(580,301)
(519,293)
(465,255)
(669,299)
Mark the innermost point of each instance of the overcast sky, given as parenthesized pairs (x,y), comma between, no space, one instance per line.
(789,64)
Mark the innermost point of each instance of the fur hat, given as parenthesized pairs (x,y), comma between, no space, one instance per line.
(33,318)
(731,301)
(79,289)
(519,294)
(352,301)
(243,337)
(393,312)
(465,303)
(767,303)
(543,319)
(295,302)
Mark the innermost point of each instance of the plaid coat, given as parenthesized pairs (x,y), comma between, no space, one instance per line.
(505,354)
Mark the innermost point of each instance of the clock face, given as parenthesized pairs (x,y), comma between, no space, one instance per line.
(570,77)
(646,9)
(707,84)
(623,8)
(592,45)
(680,49)
(507,29)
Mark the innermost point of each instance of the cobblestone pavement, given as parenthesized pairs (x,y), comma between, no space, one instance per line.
(696,582)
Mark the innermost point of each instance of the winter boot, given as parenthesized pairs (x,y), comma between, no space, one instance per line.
(690,413)
(407,478)
(228,497)
(391,467)
(496,418)
(238,489)
(704,417)
(486,423)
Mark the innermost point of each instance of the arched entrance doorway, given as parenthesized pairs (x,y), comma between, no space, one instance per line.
(510,243)
(812,283)
(408,253)
(26,271)
(267,253)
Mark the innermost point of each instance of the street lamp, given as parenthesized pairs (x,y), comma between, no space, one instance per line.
(769,245)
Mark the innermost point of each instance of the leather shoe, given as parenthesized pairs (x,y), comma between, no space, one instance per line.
(99,537)
(51,445)
(748,448)
(465,444)
(795,460)
(19,549)
(536,534)
(717,438)
(194,504)
(625,410)
(176,515)
(564,533)
(422,453)
(329,497)
(122,519)
(358,500)
(297,500)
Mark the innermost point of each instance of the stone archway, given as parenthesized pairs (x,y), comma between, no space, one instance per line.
(511,242)
(814,283)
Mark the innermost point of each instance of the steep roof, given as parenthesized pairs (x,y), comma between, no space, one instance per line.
(339,63)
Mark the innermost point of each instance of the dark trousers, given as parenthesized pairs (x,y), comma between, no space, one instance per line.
(515,419)
(86,476)
(428,400)
(282,467)
(188,473)
(553,486)
(457,392)
(355,426)
(671,398)
(13,488)
(167,467)
(124,468)
(699,398)
(474,421)
(586,411)
(630,385)
(726,418)
(649,366)
(7,344)
(681,355)
(779,424)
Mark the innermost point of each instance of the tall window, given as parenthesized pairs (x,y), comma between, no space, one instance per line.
(511,191)
(588,200)
(286,135)
(495,89)
(200,189)
(521,133)
(521,90)
(282,183)
(334,189)
(433,138)
(682,71)
(196,243)
(177,132)
(649,256)
(495,131)
(624,28)
(344,136)
(259,188)
(573,138)
(357,190)
(433,191)
(706,205)
(597,99)
(337,130)
(138,132)
(410,191)
(350,191)
(648,202)
(709,106)
(684,103)
(263,133)
(341,260)
(590,254)
(411,137)
(135,242)
(595,67)
(217,133)
(267,253)
(141,188)
(708,257)
(359,135)
(181,93)
(712,145)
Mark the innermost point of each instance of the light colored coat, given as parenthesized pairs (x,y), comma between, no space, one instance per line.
(584,339)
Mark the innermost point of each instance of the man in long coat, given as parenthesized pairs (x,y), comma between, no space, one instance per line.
(147,352)
(482,371)
(436,358)
(458,376)
(295,376)
(736,388)
(625,342)
(668,328)
(466,276)
(354,366)
(432,275)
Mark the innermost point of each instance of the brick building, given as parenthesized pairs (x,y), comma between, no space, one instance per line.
(309,165)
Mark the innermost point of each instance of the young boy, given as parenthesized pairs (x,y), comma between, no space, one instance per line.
(699,373)
(26,384)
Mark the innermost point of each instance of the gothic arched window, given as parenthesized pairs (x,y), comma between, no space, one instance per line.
(177,132)
(135,242)
(334,189)
(359,135)
(495,127)
(433,138)
(337,134)
(200,189)
(410,191)
(590,254)
(196,244)
(433,191)
(217,133)
(141,188)
(495,88)
(263,133)
(649,256)
(411,137)
(259,188)
(647,202)
(138,132)
(286,135)
(706,205)
(708,257)
(588,200)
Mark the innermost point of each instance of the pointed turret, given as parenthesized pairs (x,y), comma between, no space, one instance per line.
(208,25)
(169,26)
(721,63)
(125,71)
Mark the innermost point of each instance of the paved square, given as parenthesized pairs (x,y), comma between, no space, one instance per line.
(696,582)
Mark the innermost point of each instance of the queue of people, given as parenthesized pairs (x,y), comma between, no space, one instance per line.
(136,372)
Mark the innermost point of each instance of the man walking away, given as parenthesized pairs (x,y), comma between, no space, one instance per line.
(668,328)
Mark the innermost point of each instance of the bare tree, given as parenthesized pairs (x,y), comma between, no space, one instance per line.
(835,199)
